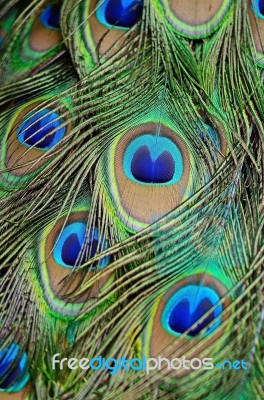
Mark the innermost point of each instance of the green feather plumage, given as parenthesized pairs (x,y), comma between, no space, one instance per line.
(102,88)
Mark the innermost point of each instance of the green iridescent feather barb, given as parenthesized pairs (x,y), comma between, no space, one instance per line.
(131,198)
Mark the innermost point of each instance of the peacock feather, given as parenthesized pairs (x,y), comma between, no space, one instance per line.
(131,199)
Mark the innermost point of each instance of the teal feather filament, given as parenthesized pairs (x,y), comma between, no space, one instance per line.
(209,133)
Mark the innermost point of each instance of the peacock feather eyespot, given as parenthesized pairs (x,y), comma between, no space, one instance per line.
(29,134)
(187,305)
(258,7)
(195,19)
(147,166)
(50,16)
(41,129)
(14,373)
(62,249)
(99,29)
(122,14)
(153,160)
(71,248)
(193,308)
(45,32)
(39,40)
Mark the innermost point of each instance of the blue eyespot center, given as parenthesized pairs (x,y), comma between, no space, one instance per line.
(187,306)
(121,14)
(145,169)
(258,7)
(74,248)
(42,130)
(261,7)
(149,159)
(13,369)
(50,16)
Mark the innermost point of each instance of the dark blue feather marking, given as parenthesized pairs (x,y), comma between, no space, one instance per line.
(187,305)
(152,159)
(147,170)
(120,13)
(261,6)
(13,368)
(258,7)
(41,130)
(50,16)
(69,250)
(72,248)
